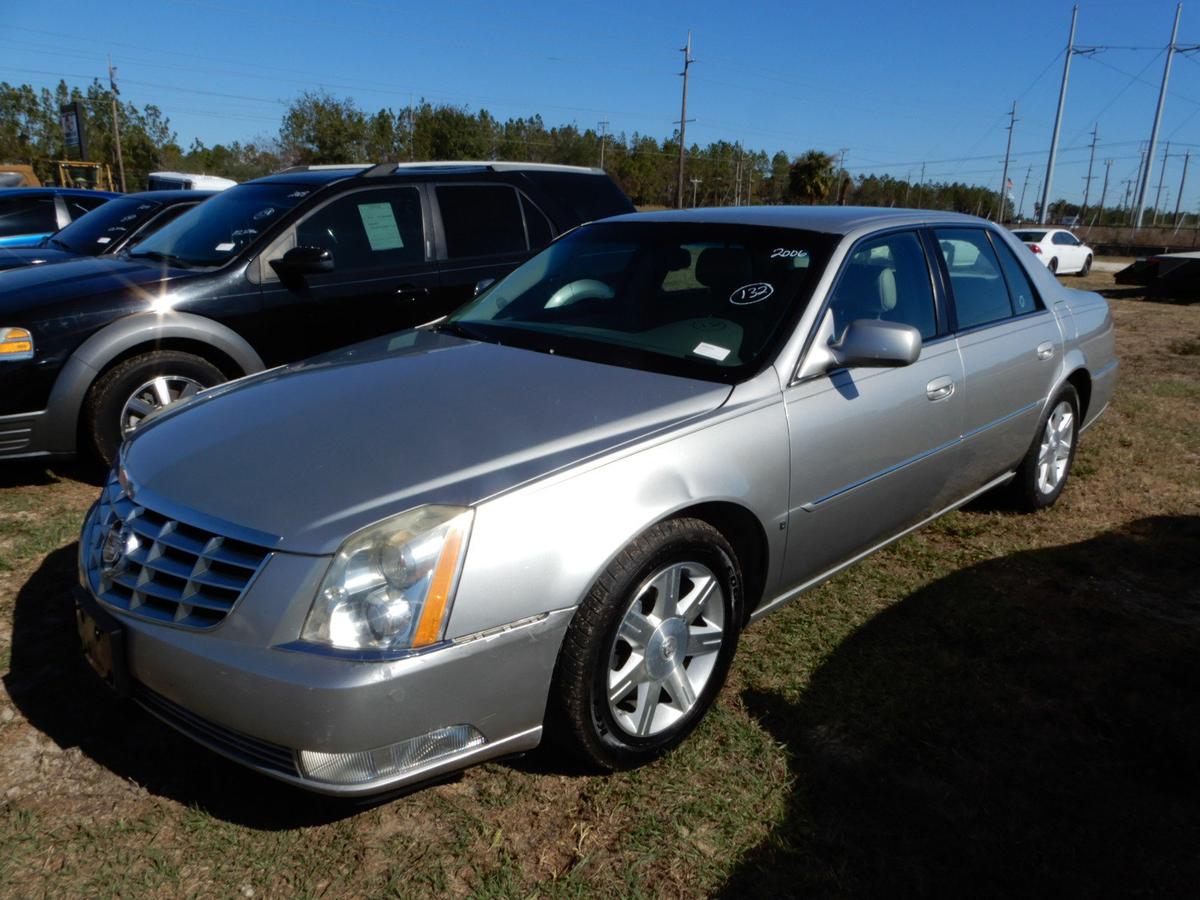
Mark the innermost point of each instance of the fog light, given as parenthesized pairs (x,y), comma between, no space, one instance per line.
(384,762)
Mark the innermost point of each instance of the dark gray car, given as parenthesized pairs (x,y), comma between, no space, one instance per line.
(553,512)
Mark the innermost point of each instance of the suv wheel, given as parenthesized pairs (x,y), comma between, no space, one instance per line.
(122,397)
(648,650)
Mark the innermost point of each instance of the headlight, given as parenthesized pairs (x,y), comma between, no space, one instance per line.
(389,586)
(15,344)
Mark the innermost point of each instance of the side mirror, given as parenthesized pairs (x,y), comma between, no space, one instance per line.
(482,285)
(876,344)
(300,261)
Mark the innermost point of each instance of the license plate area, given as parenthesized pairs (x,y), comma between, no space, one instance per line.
(102,640)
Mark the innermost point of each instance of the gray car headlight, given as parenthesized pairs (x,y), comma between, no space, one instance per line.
(390,585)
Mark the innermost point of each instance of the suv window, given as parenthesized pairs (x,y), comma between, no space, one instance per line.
(980,293)
(481,220)
(886,278)
(27,215)
(1020,288)
(537,226)
(368,229)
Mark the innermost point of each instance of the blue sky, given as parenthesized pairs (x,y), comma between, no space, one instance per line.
(894,84)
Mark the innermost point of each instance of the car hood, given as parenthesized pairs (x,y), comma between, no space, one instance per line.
(35,288)
(15,257)
(300,457)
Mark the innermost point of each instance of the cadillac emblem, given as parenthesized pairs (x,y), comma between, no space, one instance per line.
(118,544)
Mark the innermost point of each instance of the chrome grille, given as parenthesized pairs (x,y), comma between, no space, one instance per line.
(170,571)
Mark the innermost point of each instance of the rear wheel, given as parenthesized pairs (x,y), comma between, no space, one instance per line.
(1043,472)
(1053,266)
(132,390)
(648,650)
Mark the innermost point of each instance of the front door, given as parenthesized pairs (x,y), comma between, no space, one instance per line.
(383,277)
(873,449)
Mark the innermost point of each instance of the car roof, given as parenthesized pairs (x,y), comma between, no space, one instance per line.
(66,192)
(831,219)
(329,174)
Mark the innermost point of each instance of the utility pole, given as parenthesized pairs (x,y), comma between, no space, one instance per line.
(695,185)
(1024,187)
(683,119)
(737,177)
(1125,203)
(603,134)
(907,186)
(112,83)
(1103,191)
(921,186)
(412,130)
(1182,178)
(1087,182)
(1012,121)
(1062,99)
(1161,175)
(1162,97)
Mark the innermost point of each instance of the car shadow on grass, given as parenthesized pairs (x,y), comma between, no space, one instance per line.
(59,695)
(29,473)
(1029,726)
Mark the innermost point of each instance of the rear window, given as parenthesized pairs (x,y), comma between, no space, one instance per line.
(481,220)
(590,197)
(1029,237)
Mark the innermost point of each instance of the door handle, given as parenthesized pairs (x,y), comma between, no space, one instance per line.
(940,388)
(1046,350)
(408,290)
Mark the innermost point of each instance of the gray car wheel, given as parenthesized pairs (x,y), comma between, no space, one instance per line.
(648,650)
(122,397)
(1043,472)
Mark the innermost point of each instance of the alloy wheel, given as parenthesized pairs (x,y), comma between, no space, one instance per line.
(1054,454)
(161,391)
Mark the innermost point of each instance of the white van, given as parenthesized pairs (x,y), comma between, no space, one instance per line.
(182,181)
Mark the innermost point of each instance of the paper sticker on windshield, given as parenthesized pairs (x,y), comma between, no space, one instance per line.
(103,240)
(225,247)
(380,223)
(751,293)
(712,351)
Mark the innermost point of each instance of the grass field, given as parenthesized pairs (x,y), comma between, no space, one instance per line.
(999,705)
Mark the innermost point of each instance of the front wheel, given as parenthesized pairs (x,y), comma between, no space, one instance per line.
(132,390)
(1043,472)
(1087,266)
(648,650)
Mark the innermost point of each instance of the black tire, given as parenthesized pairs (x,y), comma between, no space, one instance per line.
(106,399)
(1026,491)
(579,718)
(1053,266)
(1087,266)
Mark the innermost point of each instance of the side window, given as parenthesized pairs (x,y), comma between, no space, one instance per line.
(980,294)
(537,226)
(1061,238)
(1020,288)
(886,278)
(481,220)
(368,229)
(28,215)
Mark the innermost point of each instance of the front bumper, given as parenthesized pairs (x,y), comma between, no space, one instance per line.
(243,689)
(23,435)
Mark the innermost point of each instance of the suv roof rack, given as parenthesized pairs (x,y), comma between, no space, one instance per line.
(323,168)
(390,168)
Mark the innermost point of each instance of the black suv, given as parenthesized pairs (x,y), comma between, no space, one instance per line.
(268,272)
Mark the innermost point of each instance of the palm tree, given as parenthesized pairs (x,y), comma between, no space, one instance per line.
(811,176)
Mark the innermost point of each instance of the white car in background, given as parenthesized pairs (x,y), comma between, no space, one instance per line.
(1059,250)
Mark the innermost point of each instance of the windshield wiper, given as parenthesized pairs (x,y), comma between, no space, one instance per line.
(158,256)
(462,331)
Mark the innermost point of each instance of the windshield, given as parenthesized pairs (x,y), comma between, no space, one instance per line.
(215,231)
(1029,237)
(700,300)
(96,231)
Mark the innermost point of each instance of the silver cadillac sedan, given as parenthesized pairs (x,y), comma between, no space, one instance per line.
(551,514)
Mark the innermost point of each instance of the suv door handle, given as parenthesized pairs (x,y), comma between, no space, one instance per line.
(410,291)
(1046,350)
(940,388)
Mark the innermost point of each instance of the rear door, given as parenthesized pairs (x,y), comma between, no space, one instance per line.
(383,278)
(873,449)
(1011,348)
(484,231)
